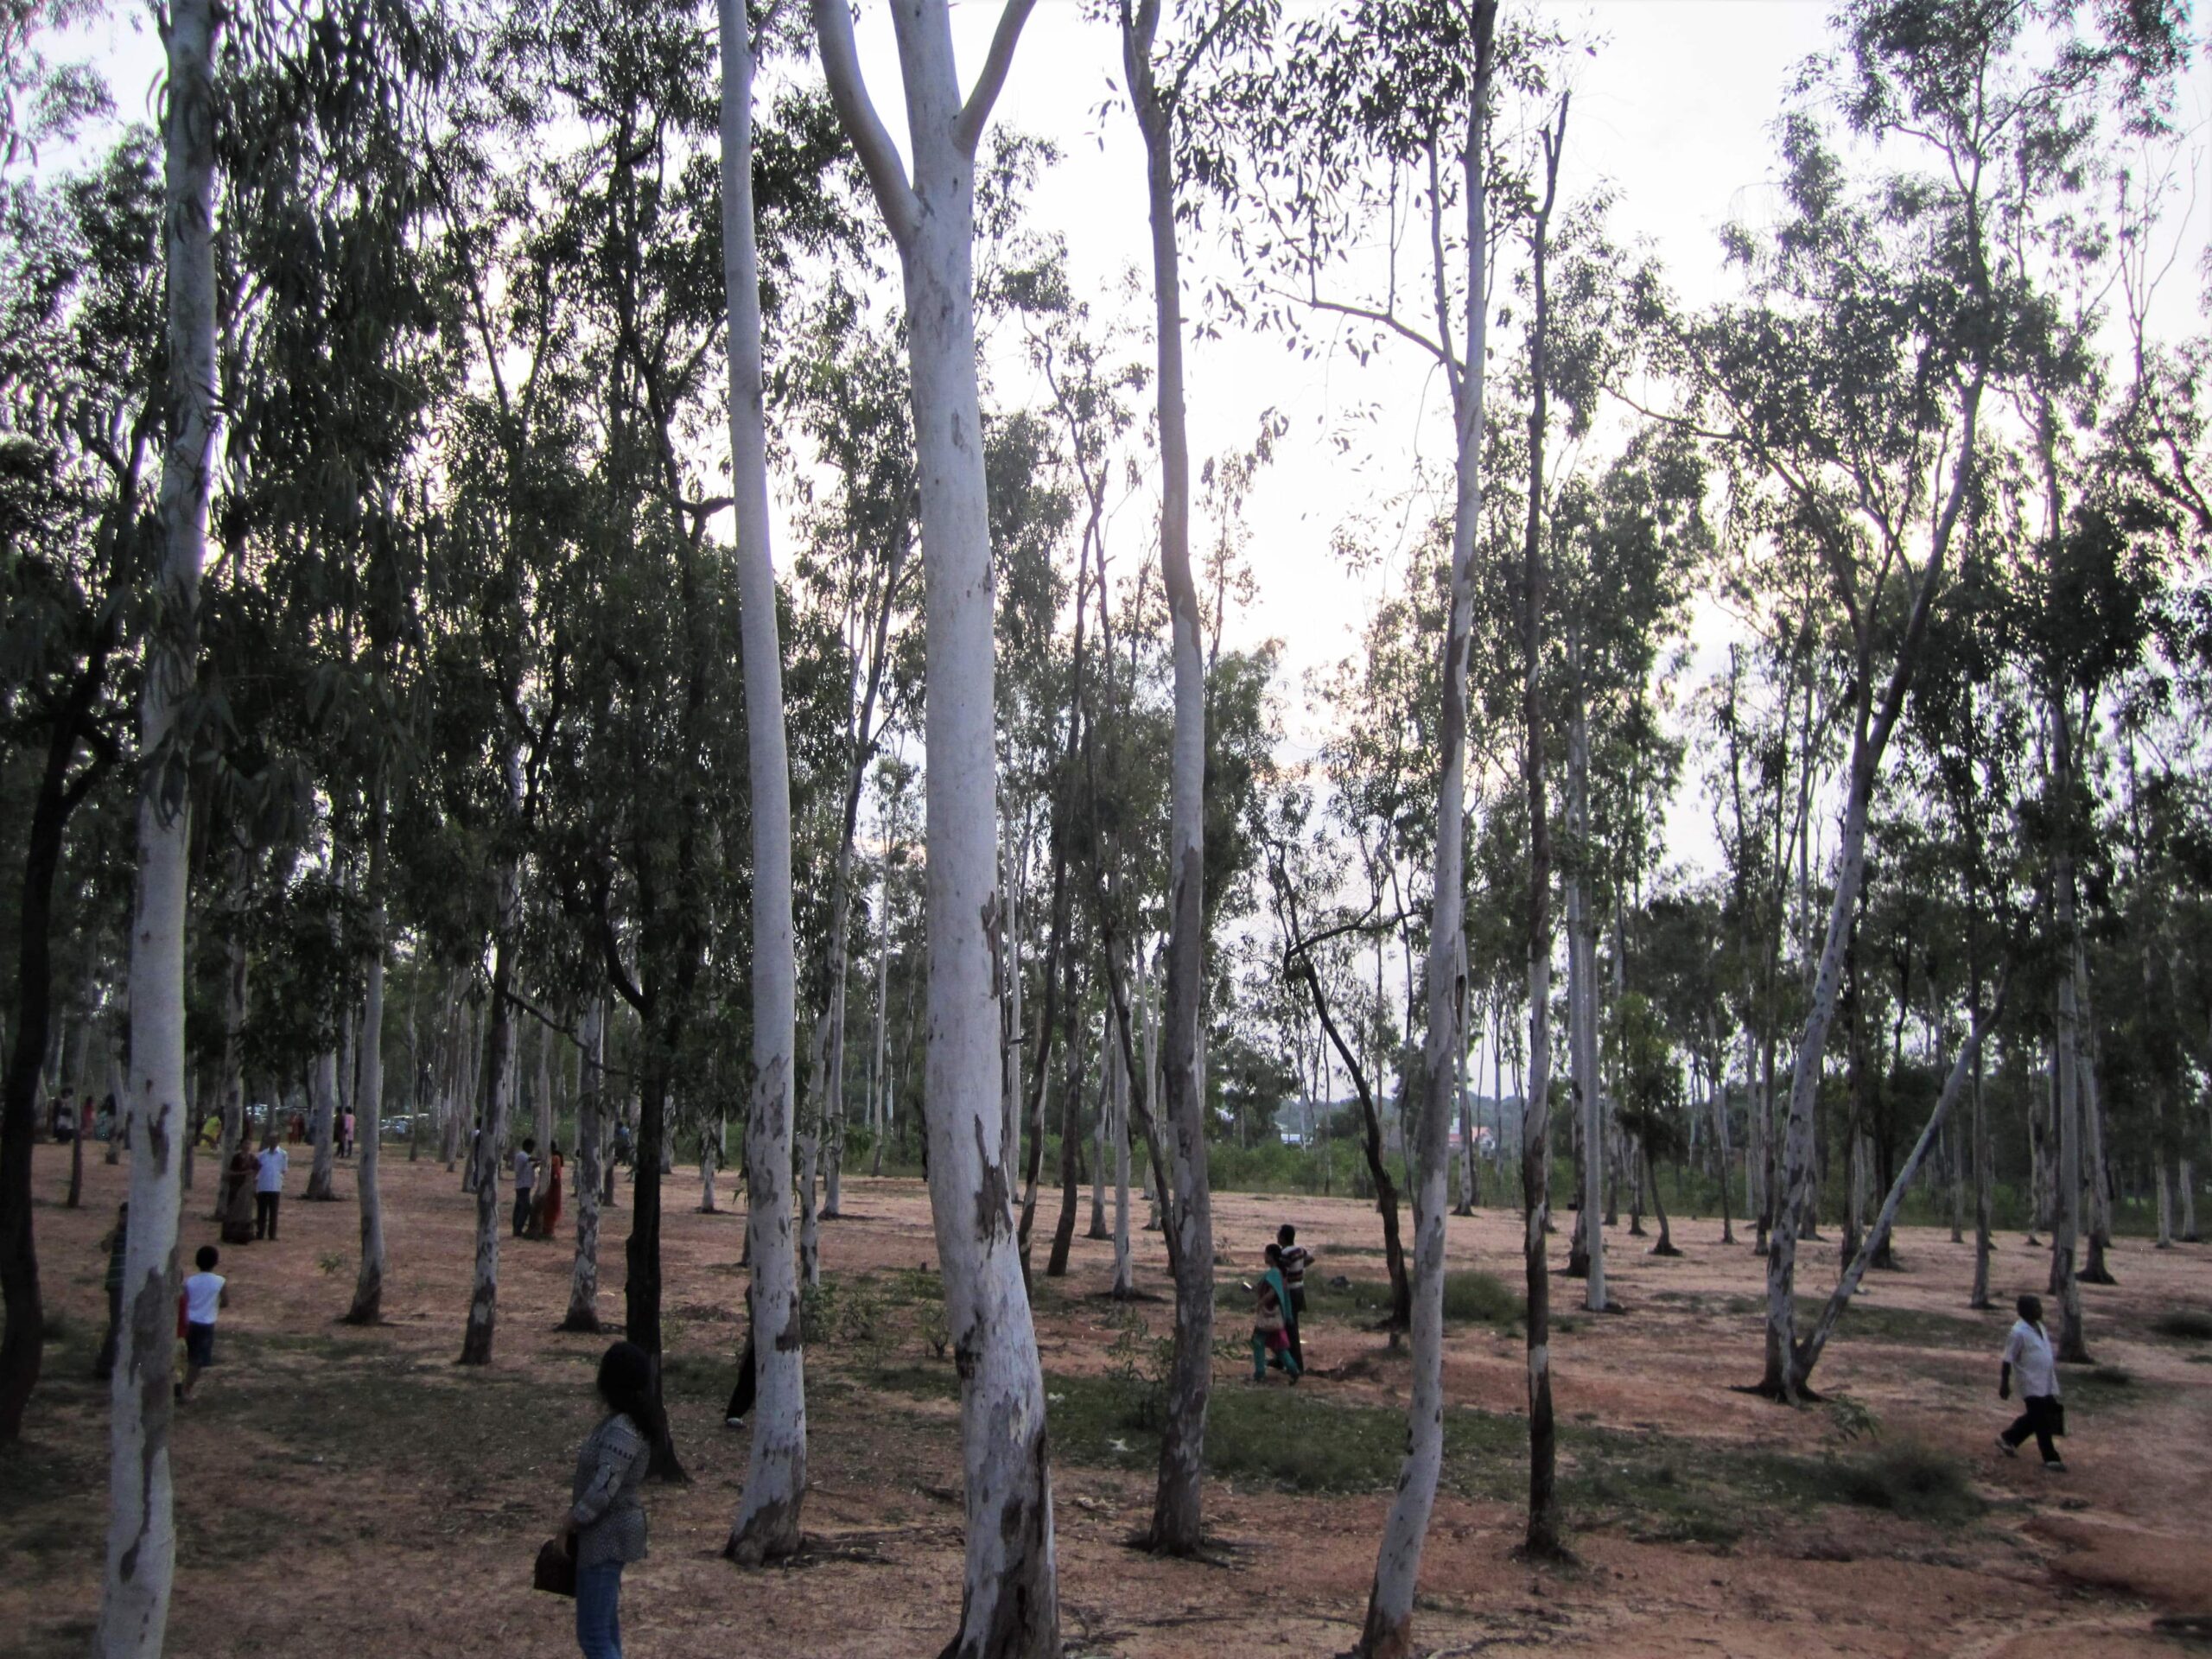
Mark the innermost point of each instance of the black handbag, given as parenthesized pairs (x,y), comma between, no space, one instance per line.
(556,1572)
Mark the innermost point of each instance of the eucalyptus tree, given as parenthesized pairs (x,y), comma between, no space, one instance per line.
(1855,380)
(1010,1600)
(80,358)
(141,1534)
(1381,107)
(767,1522)
(1159,77)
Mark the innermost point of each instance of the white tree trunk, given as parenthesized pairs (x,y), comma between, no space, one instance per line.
(368,1280)
(766,1526)
(1386,1633)
(1010,1604)
(141,1532)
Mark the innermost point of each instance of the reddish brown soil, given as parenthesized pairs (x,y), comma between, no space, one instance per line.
(343,1489)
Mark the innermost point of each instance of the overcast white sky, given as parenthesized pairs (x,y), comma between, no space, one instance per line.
(1673,112)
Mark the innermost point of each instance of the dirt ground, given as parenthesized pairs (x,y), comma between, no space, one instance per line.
(353,1489)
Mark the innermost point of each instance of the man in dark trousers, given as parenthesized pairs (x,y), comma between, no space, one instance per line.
(268,1187)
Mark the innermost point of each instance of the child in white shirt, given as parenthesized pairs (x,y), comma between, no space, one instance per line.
(205,1294)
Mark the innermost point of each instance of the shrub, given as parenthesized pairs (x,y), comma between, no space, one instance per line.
(1473,1297)
(2189,1324)
(1909,1478)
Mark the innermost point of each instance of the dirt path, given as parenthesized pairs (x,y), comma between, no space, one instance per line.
(344,1489)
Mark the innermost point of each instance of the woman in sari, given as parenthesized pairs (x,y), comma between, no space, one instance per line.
(238,1196)
(547,1215)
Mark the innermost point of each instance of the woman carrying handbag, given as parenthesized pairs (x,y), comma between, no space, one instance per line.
(605,1528)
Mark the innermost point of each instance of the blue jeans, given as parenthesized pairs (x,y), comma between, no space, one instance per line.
(598,1610)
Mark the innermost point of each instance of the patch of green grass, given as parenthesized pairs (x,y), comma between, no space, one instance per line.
(1470,1297)
(1908,1327)
(923,1382)
(2185,1325)
(1907,1479)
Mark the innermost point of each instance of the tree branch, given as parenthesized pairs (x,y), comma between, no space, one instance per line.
(968,127)
(840,67)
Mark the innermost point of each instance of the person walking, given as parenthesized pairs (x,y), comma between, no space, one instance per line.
(1271,1322)
(2028,1357)
(605,1528)
(269,1187)
(116,1241)
(526,1181)
(1296,1258)
(204,1294)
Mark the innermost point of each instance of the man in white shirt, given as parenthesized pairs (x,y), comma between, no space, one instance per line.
(203,1295)
(2028,1356)
(269,1187)
(525,1178)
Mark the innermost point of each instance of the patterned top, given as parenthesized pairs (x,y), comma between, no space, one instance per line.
(610,1523)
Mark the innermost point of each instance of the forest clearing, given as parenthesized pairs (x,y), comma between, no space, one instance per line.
(343,1489)
(814,626)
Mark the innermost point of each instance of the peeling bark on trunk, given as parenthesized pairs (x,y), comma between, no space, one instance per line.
(766,1525)
(1010,1600)
(141,1532)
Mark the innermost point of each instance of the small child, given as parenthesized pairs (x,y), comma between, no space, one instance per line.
(1270,1340)
(204,1293)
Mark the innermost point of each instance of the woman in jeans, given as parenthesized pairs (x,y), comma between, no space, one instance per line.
(605,1528)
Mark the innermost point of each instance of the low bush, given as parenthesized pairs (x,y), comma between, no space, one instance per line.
(1909,1478)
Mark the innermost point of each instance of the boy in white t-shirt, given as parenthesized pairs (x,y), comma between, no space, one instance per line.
(205,1294)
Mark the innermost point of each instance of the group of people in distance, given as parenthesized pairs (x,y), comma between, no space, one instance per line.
(538,1203)
(253,1190)
(1278,1304)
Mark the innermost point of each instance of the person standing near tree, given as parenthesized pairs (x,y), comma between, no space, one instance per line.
(2028,1356)
(269,1187)
(526,1180)
(605,1527)
(204,1294)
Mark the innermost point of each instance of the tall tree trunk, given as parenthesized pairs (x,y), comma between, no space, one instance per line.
(1124,1283)
(766,1525)
(1176,1518)
(1725,1153)
(140,1535)
(496,1085)
(322,1127)
(591,1140)
(368,1284)
(1582,987)
(1072,1033)
(1541,1536)
(23,1347)
(2096,1270)
(1010,1601)
(1388,1627)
